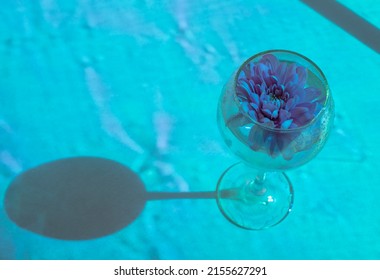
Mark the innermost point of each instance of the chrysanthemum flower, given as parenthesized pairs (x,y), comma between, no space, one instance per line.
(274,95)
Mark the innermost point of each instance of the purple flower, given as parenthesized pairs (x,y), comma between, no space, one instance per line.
(275,95)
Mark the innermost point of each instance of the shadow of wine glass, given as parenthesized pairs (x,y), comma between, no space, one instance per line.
(80,198)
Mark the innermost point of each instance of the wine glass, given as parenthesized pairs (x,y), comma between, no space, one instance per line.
(274,113)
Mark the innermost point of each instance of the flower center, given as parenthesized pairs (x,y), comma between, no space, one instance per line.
(277,92)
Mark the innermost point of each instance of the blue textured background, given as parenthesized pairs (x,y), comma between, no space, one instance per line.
(138,82)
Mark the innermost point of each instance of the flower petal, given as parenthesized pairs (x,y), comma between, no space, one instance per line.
(254,106)
(270,81)
(270,60)
(270,143)
(274,114)
(312,94)
(253,115)
(258,89)
(283,115)
(261,70)
(298,112)
(255,138)
(242,90)
(289,152)
(286,124)
(294,90)
(291,103)
(253,97)
(251,85)
(246,107)
(280,72)
(238,120)
(302,75)
(269,106)
(266,112)
(290,76)
(310,106)
(246,72)
(301,115)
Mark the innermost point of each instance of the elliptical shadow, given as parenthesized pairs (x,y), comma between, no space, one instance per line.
(81,198)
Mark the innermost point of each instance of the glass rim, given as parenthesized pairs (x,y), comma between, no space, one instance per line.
(274,129)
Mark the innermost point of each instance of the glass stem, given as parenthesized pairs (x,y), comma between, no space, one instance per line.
(256,187)
(260,178)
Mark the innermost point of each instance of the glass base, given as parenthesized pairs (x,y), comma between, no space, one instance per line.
(254,199)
